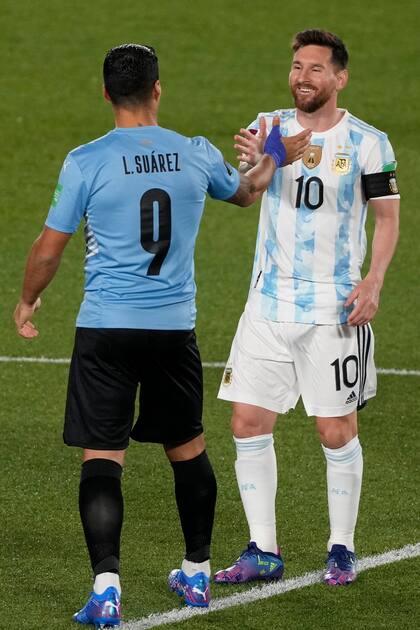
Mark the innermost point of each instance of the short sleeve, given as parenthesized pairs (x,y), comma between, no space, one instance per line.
(381,157)
(69,199)
(224,178)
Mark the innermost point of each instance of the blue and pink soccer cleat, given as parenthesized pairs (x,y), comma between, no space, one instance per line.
(341,566)
(252,564)
(101,610)
(195,590)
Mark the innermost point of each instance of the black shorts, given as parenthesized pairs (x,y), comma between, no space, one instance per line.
(107,366)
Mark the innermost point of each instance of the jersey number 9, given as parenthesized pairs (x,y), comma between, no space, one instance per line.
(155,226)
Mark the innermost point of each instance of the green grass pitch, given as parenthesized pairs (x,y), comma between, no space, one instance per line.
(221,63)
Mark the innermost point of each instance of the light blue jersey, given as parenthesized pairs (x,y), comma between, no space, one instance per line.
(141,192)
(311,235)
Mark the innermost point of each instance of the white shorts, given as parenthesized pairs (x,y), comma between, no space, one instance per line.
(271,364)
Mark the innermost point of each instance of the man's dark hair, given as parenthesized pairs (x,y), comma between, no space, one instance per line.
(130,71)
(318,37)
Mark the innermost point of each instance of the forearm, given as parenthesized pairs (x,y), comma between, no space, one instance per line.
(254,182)
(261,175)
(40,270)
(365,296)
(43,261)
(384,242)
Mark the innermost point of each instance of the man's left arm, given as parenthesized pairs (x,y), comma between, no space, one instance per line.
(384,242)
(42,264)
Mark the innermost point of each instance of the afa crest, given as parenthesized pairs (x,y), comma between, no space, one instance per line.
(341,163)
(393,186)
(227,377)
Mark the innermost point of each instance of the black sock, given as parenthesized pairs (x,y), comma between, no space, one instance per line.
(195,492)
(101,510)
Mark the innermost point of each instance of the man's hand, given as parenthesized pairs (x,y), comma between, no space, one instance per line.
(23,316)
(296,145)
(367,295)
(250,146)
(274,145)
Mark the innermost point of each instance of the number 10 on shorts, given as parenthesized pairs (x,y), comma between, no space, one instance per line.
(346,373)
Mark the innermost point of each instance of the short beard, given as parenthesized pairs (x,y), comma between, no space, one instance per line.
(311,106)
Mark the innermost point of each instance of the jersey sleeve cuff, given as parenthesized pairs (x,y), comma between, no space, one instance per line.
(67,229)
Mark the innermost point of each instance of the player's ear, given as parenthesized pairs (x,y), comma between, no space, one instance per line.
(105,93)
(157,90)
(341,79)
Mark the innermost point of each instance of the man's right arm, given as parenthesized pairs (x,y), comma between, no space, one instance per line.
(66,211)
(256,178)
(43,261)
(254,182)
(249,146)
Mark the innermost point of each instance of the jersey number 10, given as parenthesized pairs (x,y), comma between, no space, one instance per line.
(309,189)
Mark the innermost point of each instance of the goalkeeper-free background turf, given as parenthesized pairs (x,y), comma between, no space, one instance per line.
(221,63)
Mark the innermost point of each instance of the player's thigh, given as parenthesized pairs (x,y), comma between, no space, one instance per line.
(101,390)
(335,368)
(260,370)
(171,389)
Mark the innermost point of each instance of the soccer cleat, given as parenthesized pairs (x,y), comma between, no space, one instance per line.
(195,590)
(101,610)
(252,564)
(341,566)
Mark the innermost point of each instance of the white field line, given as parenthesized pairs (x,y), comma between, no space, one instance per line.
(33,360)
(268,590)
(206,364)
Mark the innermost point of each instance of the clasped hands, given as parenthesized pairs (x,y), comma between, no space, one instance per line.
(250,146)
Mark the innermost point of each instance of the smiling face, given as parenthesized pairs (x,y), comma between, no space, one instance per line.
(314,79)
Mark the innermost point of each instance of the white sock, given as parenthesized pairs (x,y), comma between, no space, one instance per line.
(191,568)
(344,482)
(103,580)
(256,472)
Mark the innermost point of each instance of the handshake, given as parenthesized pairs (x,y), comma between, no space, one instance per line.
(283,150)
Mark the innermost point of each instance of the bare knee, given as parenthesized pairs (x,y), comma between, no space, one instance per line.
(250,420)
(336,432)
(186,451)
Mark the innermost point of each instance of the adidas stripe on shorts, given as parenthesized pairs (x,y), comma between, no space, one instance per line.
(272,364)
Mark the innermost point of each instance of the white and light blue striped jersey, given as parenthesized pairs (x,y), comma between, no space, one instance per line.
(311,237)
(141,192)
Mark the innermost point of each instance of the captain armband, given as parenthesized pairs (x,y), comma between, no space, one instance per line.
(379,184)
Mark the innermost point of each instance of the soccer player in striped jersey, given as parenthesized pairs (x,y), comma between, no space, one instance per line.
(305,330)
(141,191)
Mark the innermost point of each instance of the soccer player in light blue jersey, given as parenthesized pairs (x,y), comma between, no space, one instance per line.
(305,330)
(140,190)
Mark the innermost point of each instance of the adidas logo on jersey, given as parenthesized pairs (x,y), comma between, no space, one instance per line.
(351,398)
